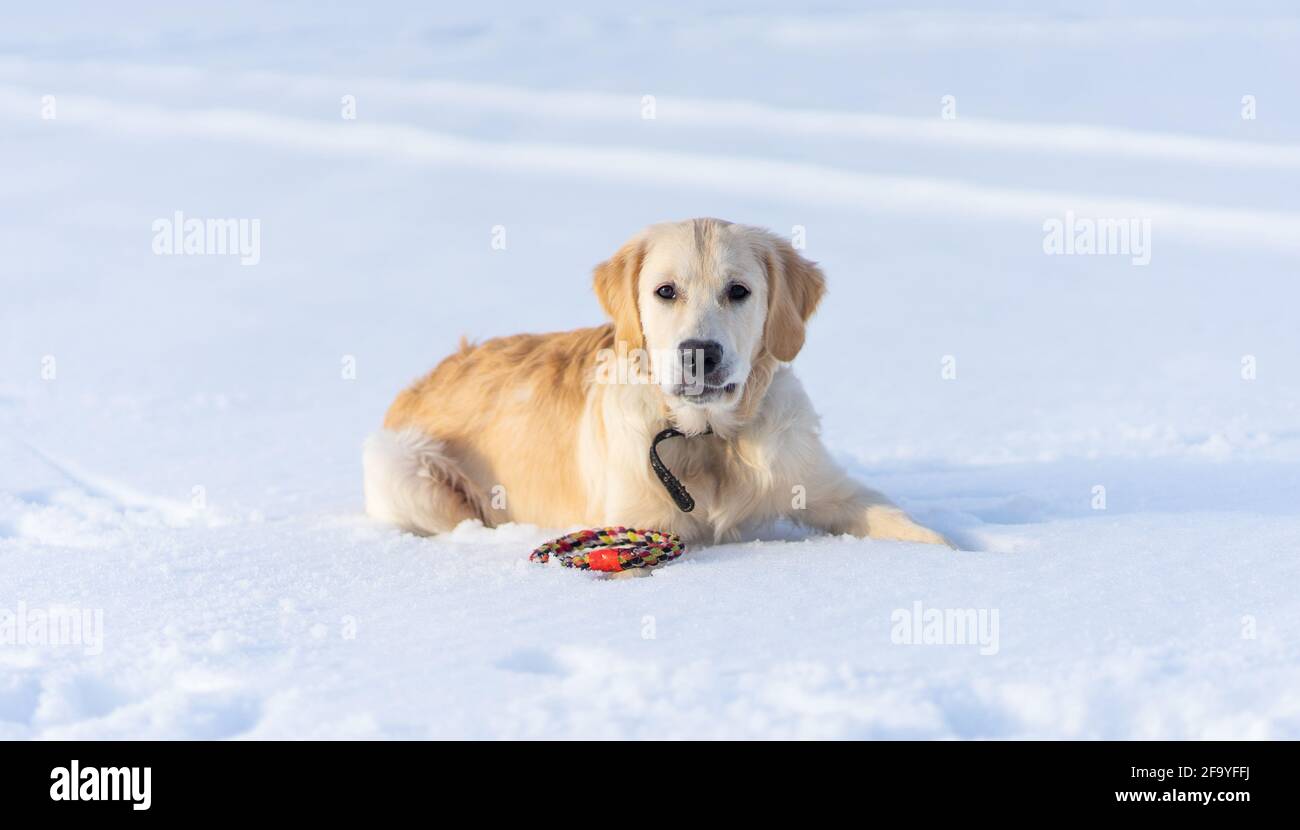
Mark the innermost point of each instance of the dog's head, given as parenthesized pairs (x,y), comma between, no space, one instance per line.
(714,306)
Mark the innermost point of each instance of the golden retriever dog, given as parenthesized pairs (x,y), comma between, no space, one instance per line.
(556,429)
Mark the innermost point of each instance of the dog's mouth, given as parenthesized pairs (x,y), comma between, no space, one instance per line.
(701,393)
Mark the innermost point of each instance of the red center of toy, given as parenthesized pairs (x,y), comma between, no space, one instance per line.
(604,559)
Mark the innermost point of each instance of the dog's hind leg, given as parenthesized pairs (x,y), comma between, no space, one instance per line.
(413,482)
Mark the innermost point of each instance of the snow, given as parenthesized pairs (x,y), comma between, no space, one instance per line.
(180,439)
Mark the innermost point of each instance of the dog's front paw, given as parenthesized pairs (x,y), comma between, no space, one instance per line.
(888,522)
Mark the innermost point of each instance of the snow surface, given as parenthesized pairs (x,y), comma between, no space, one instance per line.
(266,605)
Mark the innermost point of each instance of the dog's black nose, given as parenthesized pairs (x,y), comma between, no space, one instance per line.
(700,358)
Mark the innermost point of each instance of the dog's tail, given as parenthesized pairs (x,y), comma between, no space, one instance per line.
(412,482)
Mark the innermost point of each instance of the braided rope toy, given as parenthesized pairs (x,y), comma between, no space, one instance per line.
(611,549)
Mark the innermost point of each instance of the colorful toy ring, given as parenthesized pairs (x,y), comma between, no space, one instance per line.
(611,549)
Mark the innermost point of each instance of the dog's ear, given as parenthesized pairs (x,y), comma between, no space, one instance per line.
(616,283)
(794,288)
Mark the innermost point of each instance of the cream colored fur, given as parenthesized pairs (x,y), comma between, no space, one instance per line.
(538,429)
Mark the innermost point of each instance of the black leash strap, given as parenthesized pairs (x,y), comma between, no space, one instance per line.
(671,483)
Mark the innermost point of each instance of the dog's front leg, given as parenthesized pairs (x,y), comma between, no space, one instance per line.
(835,503)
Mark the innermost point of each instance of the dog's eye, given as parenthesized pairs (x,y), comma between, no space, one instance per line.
(666,292)
(737,292)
